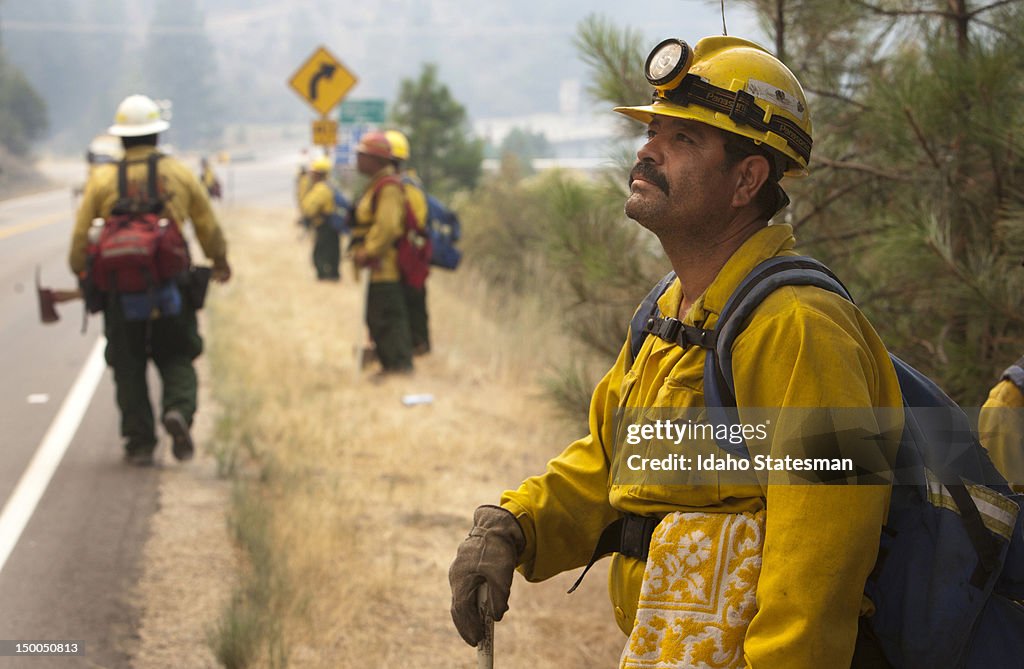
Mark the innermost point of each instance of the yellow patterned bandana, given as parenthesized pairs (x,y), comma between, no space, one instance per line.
(698,592)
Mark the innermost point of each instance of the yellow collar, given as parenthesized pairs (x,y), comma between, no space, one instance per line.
(768,242)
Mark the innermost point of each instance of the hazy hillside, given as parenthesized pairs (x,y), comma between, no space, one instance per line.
(499,59)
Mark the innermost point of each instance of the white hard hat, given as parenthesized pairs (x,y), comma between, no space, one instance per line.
(105,148)
(137,115)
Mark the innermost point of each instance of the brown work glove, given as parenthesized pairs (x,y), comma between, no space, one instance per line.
(221,270)
(488,555)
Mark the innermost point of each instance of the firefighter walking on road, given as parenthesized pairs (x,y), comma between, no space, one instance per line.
(209,179)
(379,222)
(157,322)
(103,150)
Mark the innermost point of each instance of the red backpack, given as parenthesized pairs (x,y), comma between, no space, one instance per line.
(414,246)
(138,247)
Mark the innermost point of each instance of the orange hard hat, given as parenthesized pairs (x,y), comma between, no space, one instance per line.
(376,144)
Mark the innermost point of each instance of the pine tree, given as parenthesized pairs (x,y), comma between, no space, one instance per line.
(615,57)
(915,195)
(22,111)
(442,153)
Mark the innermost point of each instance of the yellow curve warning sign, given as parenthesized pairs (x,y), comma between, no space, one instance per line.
(322,81)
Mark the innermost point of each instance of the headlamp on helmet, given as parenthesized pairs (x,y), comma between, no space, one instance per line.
(734,85)
(668,63)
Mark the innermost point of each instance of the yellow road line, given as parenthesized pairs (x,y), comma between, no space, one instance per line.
(25,227)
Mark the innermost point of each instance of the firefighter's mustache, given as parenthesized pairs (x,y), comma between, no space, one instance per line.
(647,172)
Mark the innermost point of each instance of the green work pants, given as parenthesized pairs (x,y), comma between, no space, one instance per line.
(326,252)
(388,321)
(416,306)
(172,342)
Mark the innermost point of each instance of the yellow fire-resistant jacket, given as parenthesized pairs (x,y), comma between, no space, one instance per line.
(318,203)
(301,186)
(380,226)
(188,201)
(1001,429)
(803,347)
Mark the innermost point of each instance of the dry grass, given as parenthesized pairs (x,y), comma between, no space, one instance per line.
(187,569)
(354,503)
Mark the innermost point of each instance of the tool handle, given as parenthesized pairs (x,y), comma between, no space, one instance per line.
(485,649)
(67,295)
(361,346)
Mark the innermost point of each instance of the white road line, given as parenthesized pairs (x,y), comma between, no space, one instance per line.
(22,502)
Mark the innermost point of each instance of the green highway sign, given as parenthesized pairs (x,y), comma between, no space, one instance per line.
(363,111)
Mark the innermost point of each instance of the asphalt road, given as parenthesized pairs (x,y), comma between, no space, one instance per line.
(70,574)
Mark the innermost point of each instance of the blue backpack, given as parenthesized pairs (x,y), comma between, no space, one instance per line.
(445,230)
(1015,374)
(339,220)
(951,555)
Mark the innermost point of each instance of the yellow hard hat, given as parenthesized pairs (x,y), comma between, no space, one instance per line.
(399,144)
(735,85)
(321,164)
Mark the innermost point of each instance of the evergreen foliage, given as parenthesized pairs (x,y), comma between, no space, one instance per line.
(72,54)
(22,111)
(442,152)
(615,57)
(916,196)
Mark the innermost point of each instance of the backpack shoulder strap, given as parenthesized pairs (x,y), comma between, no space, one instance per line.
(391,179)
(1015,374)
(763,280)
(122,178)
(645,313)
(156,203)
(409,218)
